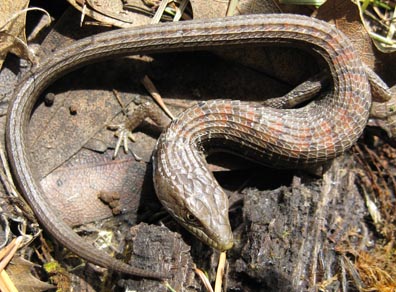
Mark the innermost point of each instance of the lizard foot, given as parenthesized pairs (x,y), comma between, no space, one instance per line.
(124,135)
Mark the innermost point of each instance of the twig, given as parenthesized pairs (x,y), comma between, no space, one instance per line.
(118,97)
(150,87)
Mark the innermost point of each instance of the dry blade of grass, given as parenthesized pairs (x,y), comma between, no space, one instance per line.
(6,254)
(378,19)
(220,272)
(204,279)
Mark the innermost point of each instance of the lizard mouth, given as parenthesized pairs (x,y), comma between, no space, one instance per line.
(220,242)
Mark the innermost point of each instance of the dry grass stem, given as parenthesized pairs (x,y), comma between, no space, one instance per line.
(204,279)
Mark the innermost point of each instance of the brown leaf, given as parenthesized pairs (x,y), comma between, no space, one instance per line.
(109,12)
(12,44)
(345,16)
(59,134)
(12,30)
(73,188)
(20,273)
(212,9)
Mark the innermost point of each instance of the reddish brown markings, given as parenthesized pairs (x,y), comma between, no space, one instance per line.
(251,114)
(345,119)
(198,111)
(325,128)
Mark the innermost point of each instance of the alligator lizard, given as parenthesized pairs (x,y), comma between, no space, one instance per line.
(292,137)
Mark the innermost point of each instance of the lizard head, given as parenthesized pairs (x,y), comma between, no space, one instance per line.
(197,202)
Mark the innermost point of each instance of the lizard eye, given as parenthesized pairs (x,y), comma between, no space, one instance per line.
(191,218)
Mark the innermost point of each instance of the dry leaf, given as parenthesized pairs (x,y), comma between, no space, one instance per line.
(89,175)
(19,271)
(9,43)
(345,16)
(213,9)
(108,12)
(12,33)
